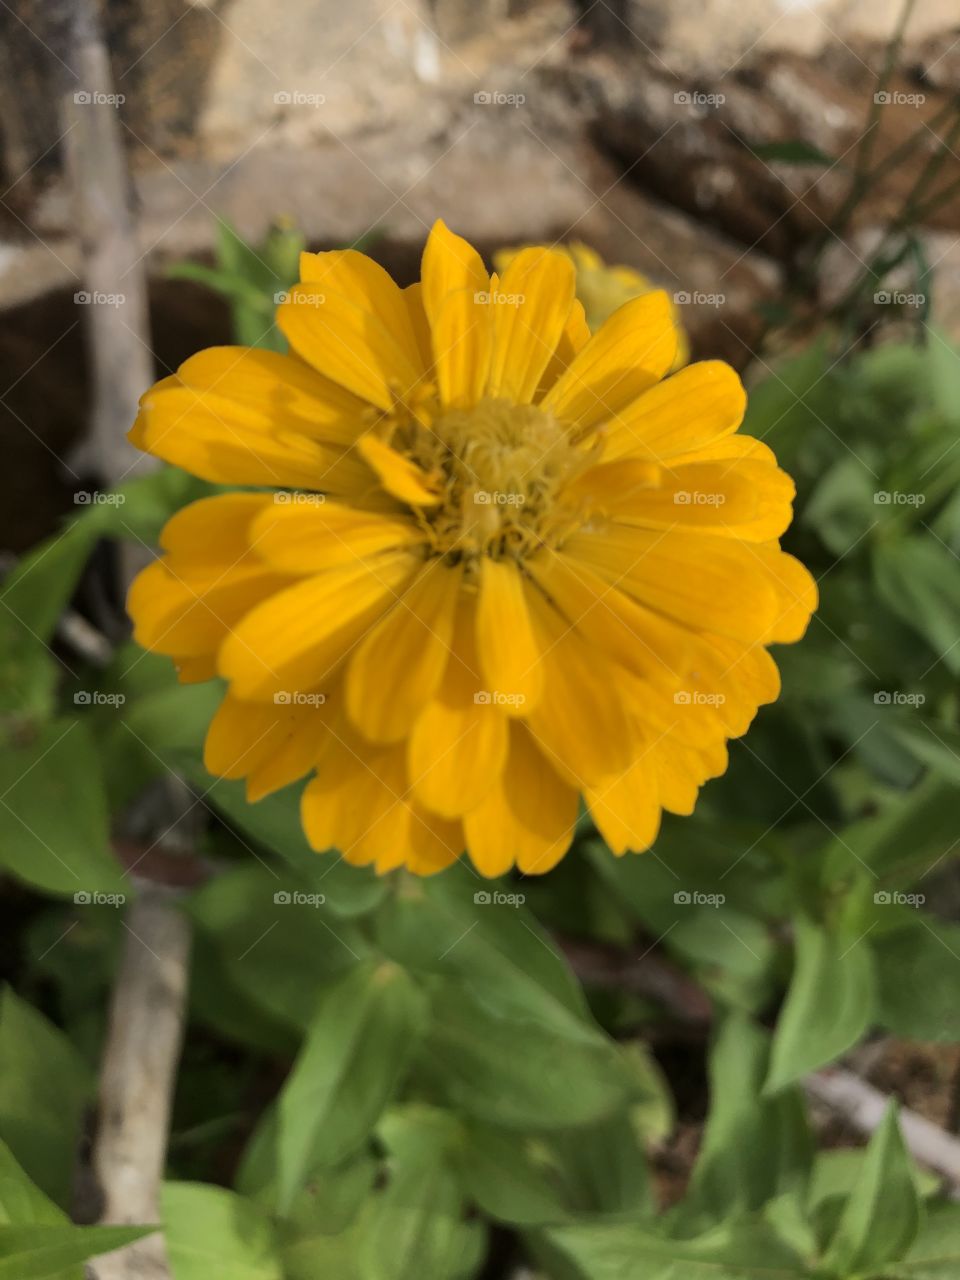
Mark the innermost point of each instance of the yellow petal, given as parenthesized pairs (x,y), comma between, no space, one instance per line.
(293,642)
(528,817)
(462,343)
(580,723)
(214,529)
(271,745)
(188,615)
(641,641)
(398,475)
(397,667)
(227,444)
(529,311)
(278,392)
(710,584)
(632,351)
(796,595)
(307,537)
(348,344)
(626,808)
(353,275)
(690,410)
(509,655)
(575,336)
(746,499)
(459,744)
(728,447)
(450,265)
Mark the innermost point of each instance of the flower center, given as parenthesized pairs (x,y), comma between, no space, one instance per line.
(502,469)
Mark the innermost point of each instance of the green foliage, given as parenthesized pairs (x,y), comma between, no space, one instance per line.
(389,1077)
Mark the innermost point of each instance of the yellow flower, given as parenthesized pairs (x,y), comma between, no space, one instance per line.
(603,289)
(492,563)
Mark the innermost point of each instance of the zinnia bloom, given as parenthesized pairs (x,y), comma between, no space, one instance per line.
(603,288)
(490,564)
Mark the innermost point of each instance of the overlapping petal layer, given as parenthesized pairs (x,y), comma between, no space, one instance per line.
(493,563)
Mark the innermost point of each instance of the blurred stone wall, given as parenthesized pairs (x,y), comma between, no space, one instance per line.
(630,124)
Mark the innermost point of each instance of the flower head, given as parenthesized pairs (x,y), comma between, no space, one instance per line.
(491,563)
(603,288)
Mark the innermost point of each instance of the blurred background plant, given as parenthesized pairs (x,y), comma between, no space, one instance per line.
(681,1064)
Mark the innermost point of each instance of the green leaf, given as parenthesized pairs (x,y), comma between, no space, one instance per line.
(918,974)
(493,1053)
(415,1227)
(511,1177)
(829,1005)
(935,1254)
(46,1252)
(882,1216)
(457,925)
(899,844)
(44,1089)
(33,597)
(274,823)
(753,1149)
(21,1200)
(213,1232)
(919,579)
(734,1251)
(275,940)
(356,1052)
(54,826)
